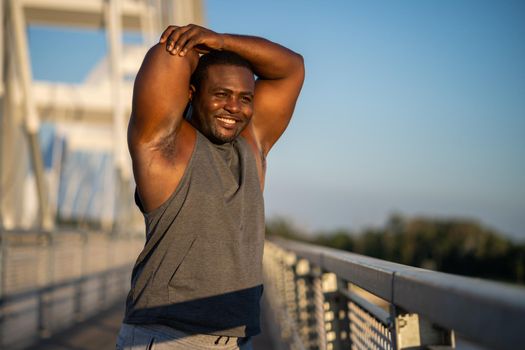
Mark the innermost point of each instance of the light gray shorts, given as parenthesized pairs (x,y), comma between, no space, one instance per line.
(160,337)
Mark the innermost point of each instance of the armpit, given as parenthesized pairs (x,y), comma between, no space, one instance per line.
(166,147)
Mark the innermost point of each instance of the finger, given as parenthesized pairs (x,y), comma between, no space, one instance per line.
(183,39)
(190,44)
(173,38)
(171,41)
(167,33)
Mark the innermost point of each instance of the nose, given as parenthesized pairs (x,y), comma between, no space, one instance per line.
(232,105)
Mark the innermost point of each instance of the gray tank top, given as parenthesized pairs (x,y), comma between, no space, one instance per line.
(201,268)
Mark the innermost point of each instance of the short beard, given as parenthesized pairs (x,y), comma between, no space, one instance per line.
(218,138)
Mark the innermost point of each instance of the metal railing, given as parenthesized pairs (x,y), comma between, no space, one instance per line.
(323,298)
(51,280)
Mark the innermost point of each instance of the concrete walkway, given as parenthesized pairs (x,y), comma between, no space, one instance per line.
(100,332)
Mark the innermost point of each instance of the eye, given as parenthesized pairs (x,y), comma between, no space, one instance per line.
(220,94)
(246,99)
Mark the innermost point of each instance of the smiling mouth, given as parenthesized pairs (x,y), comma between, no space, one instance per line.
(227,121)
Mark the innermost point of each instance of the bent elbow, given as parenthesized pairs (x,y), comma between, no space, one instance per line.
(300,68)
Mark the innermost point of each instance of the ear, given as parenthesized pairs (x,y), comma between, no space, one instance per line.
(192,92)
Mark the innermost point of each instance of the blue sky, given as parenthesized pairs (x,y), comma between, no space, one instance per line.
(416,107)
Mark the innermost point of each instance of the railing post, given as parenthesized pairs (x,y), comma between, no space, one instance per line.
(304,295)
(336,313)
(280,289)
(310,305)
(289,286)
(45,294)
(79,287)
(319,308)
(412,331)
(392,326)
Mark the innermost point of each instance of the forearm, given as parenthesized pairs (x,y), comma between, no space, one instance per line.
(269,60)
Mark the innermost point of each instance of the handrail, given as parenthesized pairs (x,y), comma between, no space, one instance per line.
(488,313)
(50,280)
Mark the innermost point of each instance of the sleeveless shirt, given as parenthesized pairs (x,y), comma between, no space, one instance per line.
(201,268)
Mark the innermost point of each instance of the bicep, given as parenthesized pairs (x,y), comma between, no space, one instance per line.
(160,95)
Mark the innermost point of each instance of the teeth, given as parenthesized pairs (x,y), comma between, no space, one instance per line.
(227,120)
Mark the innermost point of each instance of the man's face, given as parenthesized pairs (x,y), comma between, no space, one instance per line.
(223,104)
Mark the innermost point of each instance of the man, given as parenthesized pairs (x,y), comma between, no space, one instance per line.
(199,134)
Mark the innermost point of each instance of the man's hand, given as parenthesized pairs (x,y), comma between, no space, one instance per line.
(179,40)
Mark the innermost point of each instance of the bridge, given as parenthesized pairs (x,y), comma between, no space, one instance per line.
(66,289)
(69,234)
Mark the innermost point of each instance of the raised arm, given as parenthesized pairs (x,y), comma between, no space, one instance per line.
(280,73)
(156,126)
